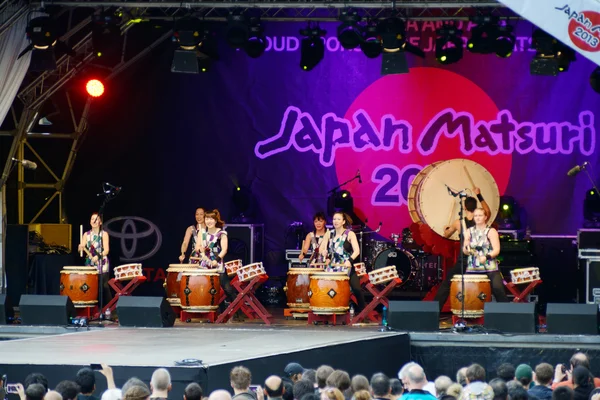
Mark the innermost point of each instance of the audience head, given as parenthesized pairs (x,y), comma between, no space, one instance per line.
(311,396)
(274,386)
(582,377)
(132,382)
(499,387)
(579,359)
(220,395)
(86,380)
(506,372)
(455,390)
(461,376)
(416,377)
(35,377)
(510,385)
(112,394)
(193,391)
(524,374)
(294,371)
(397,388)
(136,392)
(332,394)
(68,390)
(54,395)
(403,372)
(544,373)
(323,373)
(517,393)
(339,379)
(362,395)
(475,373)
(161,380)
(301,388)
(240,378)
(35,391)
(359,382)
(288,390)
(380,385)
(442,383)
(562,393)
(310,375)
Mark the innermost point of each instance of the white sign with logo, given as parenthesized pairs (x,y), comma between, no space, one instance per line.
(130,236)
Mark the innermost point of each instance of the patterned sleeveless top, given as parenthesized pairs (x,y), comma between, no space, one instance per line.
(212,247)
(196,231)
(93,242)
(338,250)
(480,246)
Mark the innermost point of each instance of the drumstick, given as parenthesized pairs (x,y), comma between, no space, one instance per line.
(469,177)
(451,217)
(80,237)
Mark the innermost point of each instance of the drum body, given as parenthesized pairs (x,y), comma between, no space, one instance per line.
(80,284)
(298,283)
(478,291)
(329,292)
(428,198)
(173,281)
(200,290)
(250,271)
(127,272)
(405,263)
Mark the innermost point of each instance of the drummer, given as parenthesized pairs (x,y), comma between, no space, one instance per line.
(313,239)
(95,244)
(340,247)
(212,247)
(191,233)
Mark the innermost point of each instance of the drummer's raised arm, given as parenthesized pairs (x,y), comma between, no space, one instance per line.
(450,229)
(484,204)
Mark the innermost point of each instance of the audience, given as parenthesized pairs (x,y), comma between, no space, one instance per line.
(498,385)
(415,382)
(86,380)
(240,379)
(301,388)
(359,382)
(293,372)
(524,375)
(274,387)
(323,373)
(160,384)
(397,389)
(193,391)
(380,386)
(506,372)
(542,379)
(476,387)
(68,390)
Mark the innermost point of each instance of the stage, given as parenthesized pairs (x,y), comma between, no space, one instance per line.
(59,352)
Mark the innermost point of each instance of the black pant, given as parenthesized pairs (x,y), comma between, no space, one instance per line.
(495,278)
(230,293)
(106,293)
(357,290)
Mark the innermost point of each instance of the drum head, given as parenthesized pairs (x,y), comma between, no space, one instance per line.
(404,262)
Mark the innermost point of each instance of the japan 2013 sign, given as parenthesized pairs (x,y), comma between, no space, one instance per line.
(584,27)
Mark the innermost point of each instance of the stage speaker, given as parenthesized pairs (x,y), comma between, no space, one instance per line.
(419,316)
(46,309)
(510,317)
(6,310)
(17,261)
(572,319)
(147,312)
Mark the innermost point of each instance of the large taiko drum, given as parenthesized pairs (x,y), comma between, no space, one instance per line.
(298,283)
(80,284)
(428,198)
(329,292)
(173,281)
(477,292)
(200,290)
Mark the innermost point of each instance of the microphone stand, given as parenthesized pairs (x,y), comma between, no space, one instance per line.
(461,324)
(585,168)
(362,231)
(332,191)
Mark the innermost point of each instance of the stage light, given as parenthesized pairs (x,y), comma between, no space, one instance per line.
(42,33)
(491,37)
(340,201)
(243,203)
(505,207)
(591,208)
(393,36)
(312,47)
(371,44)
(106,38)
(348,32)
(509,216)
(256,43)
(94,88)
(238,29)
(552,56)
(188,34)
(595,80)
(448,45)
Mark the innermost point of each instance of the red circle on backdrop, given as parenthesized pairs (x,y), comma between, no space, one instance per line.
(416,97)
(578,37)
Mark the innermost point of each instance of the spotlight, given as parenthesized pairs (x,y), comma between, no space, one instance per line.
(94,87)
(591,206)
(393,35)
(448,45)
(238,29)
(595,80)
(505,42)
(371,44)
(42,33)
(509,214)
(188,33)
(491,37)
(551,56)
(106,38)
(243,200)
(312,47)
(340,201)
(348,32)
(256,43)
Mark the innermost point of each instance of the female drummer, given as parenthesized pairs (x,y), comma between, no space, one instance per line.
(482,245)
(212,246)
(96,247)
(192,233)
(340,246)
(313,239)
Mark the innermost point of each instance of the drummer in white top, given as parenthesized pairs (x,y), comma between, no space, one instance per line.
(314,238)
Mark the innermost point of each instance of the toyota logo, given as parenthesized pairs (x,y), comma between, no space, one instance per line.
(130,235)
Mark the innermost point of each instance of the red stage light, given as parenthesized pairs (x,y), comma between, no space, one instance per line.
(94,87)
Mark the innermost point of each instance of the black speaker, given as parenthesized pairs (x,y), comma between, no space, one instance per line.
(17,261)
(6,309)
(510,317)
(46,309)
(572,319)
(147,312)
(419,316)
